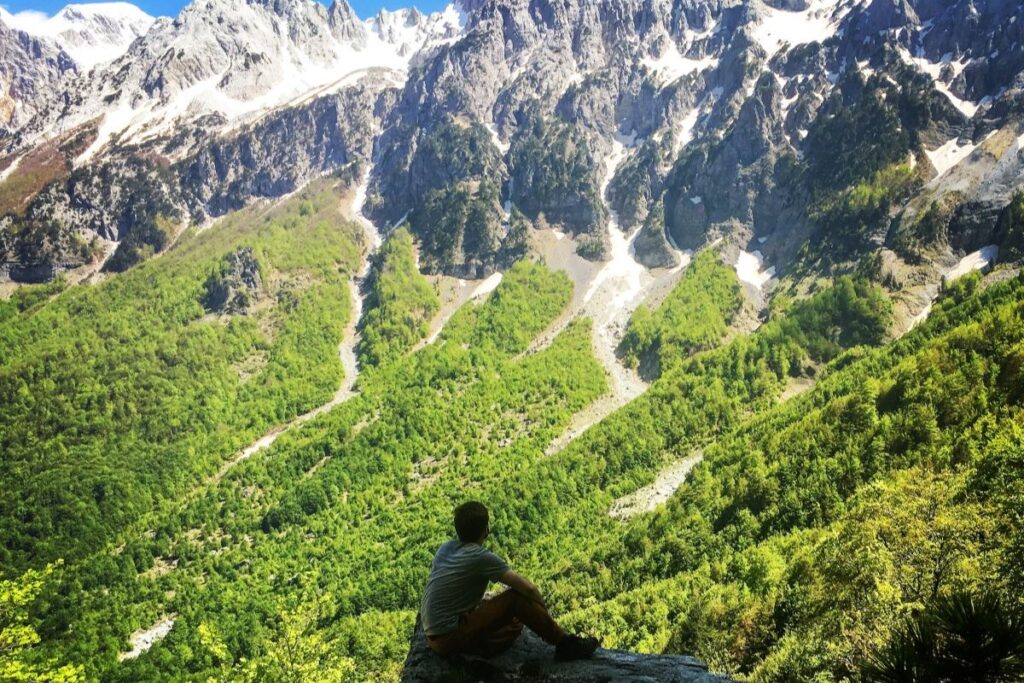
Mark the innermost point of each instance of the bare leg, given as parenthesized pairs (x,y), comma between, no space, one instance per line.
(495,624)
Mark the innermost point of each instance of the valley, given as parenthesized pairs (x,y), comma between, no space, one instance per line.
(287,510)
(716,304)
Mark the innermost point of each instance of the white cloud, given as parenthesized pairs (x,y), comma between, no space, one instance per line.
(29,20)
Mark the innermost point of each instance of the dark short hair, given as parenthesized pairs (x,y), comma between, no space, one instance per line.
(471,521)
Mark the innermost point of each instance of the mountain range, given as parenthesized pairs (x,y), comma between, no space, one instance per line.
(716,303)
(739,119)
(91,34)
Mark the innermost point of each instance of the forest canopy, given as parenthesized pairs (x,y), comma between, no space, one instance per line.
(815,533)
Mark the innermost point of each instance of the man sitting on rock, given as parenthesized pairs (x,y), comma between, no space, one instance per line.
(455,618)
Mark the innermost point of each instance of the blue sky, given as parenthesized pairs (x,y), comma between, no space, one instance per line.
(363,8)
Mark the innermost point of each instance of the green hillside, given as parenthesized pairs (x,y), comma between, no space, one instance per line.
(119,398)
(814,527)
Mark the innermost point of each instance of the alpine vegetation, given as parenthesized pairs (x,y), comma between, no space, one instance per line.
(575,340)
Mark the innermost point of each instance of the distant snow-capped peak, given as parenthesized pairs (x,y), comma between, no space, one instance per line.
(241,58)
(409,30)
(92,33)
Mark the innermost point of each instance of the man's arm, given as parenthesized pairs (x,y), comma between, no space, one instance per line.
(522,585)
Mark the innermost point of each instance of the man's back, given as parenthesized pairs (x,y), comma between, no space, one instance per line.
(453,616)
(458,579)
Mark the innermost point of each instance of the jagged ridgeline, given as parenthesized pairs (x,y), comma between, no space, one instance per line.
(685,291)
(823,131)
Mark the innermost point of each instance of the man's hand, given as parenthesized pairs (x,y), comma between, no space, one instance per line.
(522,585)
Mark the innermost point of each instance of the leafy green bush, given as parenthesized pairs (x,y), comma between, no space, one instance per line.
(957,637)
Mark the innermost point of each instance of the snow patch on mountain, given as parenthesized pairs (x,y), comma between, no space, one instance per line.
(240,60)
(934,69)
(948,155)
(409,30)
(749,269)
(779,27)
(487,286)
(358,206)
(502,145)
(623,268)
(683,131)
(672,65)
(91,33)
(976,260)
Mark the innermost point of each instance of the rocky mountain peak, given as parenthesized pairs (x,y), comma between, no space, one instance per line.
(236,285)
(409,30)
(92,33)
(345,25)
(231,61)
(31,71)
(723,108)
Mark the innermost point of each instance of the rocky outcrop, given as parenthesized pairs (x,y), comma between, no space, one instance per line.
(33,273)
(634,190)
(720,185)
(31,72)
(530,659)
(651,245)
(345,25)
(554,81)
(241,49)
(131,198)
(92,33)
(109,200)
(554,172)
(228,62)
(282,152)
(237,286)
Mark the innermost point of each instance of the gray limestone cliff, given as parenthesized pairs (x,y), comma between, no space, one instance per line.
(31,71)
(733,127)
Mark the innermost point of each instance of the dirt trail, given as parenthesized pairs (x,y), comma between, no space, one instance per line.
(657,492)
(349,341)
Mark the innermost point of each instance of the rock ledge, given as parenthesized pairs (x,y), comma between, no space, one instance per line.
(531,660)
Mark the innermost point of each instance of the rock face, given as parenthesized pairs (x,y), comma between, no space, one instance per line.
(227,63)
(124,197)
(91,33)
(651,245)
(530,659)
(237,286)
(743,120)
(281,153)
(31,71)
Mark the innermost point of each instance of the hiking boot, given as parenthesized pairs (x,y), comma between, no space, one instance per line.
(574,647)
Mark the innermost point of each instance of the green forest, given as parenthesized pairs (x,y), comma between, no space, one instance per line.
(399,305)
(830,535)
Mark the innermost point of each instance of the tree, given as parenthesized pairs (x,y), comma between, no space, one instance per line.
(18,636)
(958,638)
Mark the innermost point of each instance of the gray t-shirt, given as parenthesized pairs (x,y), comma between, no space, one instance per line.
(458,579)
